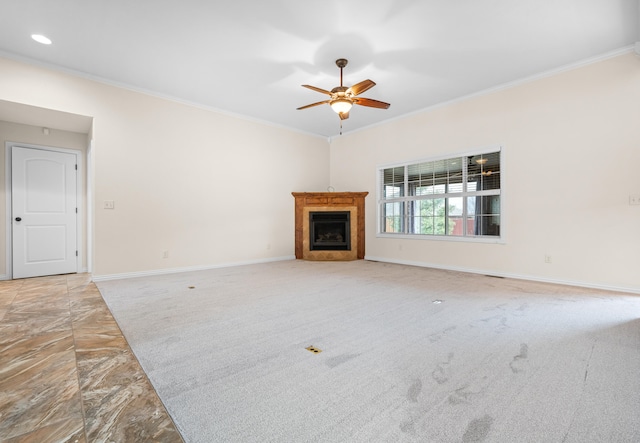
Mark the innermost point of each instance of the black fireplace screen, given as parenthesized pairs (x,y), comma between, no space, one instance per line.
(330,231)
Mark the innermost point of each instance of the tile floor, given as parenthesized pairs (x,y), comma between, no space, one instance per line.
(66,372)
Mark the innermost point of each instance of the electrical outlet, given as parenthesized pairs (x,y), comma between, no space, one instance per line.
(109,204)
(165,254)
(634,199)
(547,259)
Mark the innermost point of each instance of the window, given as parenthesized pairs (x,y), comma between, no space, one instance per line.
(452,197)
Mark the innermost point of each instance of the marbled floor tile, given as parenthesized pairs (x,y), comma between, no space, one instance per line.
(67,373)
(7,297)
(137,418)
(30,323)
(68,431)
(7,294)
(34,291)
(34,357)
(89,309)
(51,305)
(10,286)
(89,304)
(88,293)
(52,395)
(94,342)
(128,415)
(96,321)
(78,281)
(120,403)
(92,318)
(103,370)
(84,291)
(43,300)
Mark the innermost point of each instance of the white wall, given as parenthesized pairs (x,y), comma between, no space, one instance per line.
(32,135)
(211,189)
(572,158)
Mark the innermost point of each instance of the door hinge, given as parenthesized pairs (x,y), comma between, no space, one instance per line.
(76,210)
(76,253)
(76,167)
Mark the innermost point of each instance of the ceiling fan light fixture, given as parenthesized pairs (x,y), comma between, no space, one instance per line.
(341,105)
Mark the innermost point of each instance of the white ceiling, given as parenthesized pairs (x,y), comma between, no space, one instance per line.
(249,57)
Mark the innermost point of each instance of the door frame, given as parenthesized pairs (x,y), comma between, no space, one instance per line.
(9,195)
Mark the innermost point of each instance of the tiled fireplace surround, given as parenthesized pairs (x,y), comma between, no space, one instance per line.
(307,202)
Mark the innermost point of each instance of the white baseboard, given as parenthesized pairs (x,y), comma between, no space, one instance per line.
(98,278)
(582,284)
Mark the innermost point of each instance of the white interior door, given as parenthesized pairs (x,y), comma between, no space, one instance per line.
(44,212)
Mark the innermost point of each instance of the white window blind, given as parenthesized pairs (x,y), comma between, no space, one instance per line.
(458,196)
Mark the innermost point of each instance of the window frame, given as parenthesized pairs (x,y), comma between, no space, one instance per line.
(407,200)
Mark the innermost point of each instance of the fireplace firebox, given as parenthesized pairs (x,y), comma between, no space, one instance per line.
(330,231)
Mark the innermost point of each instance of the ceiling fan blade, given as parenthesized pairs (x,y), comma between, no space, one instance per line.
(322,91)
(313,104)
(344,115)
(371,103)
(359,88)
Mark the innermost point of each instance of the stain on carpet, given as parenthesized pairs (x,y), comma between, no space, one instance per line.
(408,427)
(433,338)
(441,373)
(478,429)
(340,359)
(518,364)
(414,391)
(466,393)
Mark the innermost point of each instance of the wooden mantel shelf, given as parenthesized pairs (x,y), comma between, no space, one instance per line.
(351,201)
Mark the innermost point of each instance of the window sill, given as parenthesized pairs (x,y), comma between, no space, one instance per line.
(491,240)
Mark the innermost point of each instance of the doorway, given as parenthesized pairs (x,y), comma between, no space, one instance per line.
(43,210)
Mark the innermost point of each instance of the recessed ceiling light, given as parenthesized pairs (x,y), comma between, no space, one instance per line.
(41,39)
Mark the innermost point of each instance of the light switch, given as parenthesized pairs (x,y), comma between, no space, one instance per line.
(108,204)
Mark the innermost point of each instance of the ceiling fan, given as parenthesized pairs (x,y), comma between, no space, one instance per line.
(343,98)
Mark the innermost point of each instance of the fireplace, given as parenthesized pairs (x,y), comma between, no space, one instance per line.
(329,225)
(329,231)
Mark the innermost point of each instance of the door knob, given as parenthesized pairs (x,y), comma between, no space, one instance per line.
(18,218)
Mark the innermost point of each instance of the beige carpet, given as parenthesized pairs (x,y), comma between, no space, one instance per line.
(408,354)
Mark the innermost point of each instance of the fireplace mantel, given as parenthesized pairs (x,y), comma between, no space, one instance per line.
(329,201)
